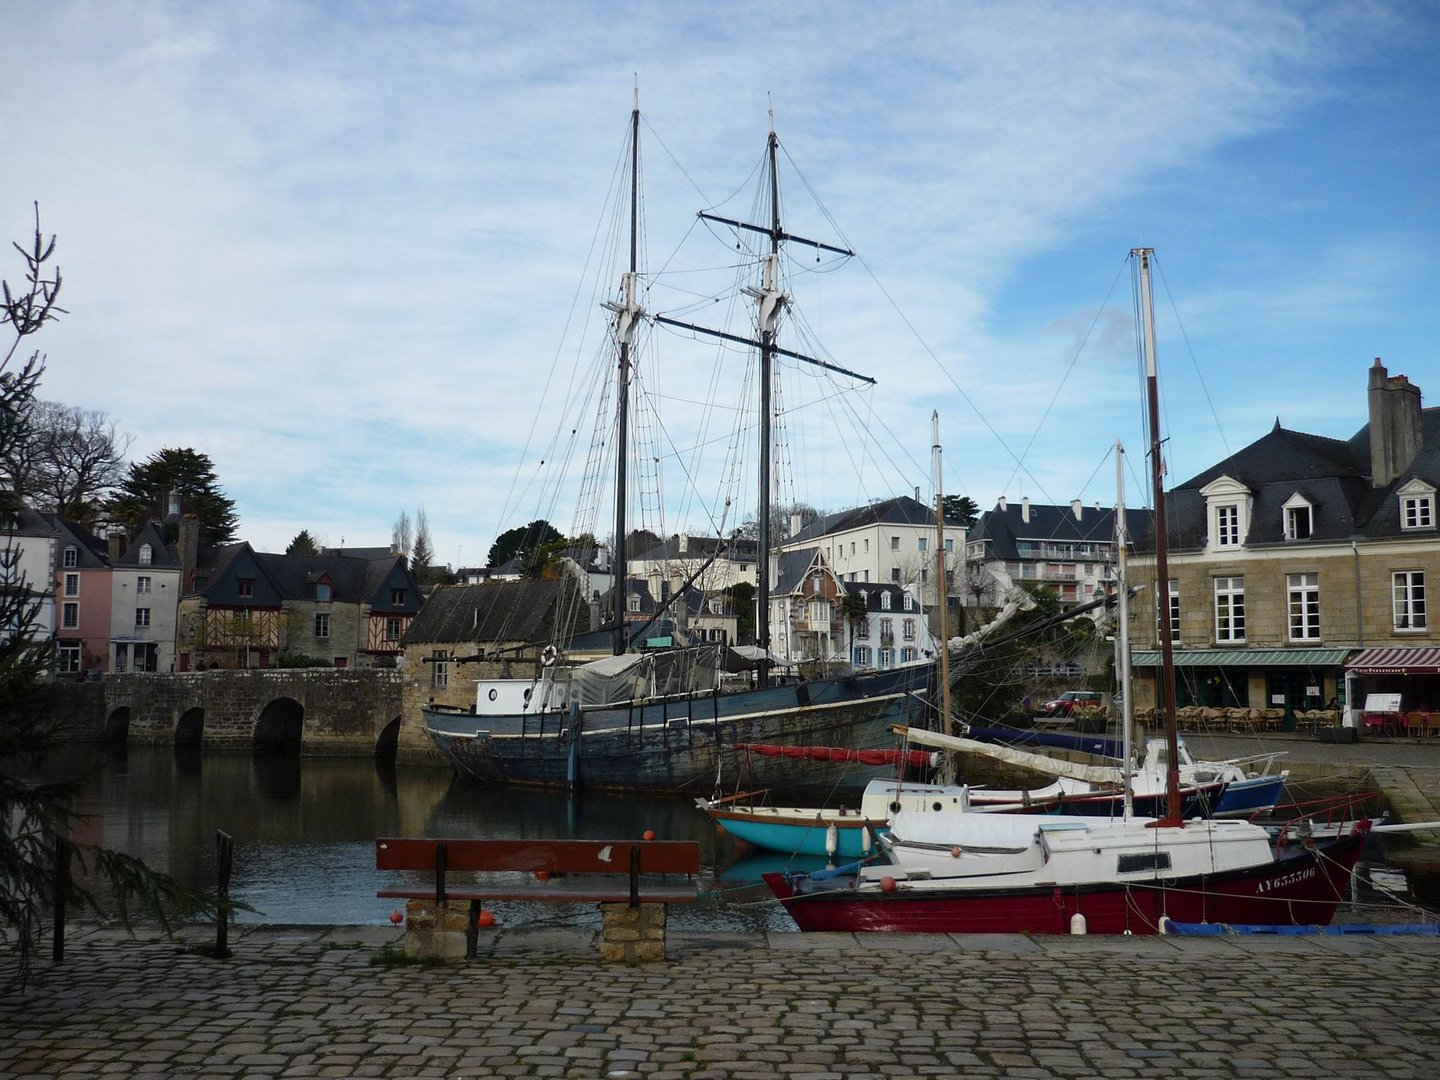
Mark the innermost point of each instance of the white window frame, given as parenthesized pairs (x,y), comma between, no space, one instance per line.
(71,557)
(67,658)
(72,584)
(69,616)
(1303,595)
(885,655)
(142,618)
(440,670)
(322,625)
(1295,507)
(885,601)
(1407,590)
(1229,594)
(907,630)
(921,543)
(147,554)
(1417,512)
(1227,525)
(1173,595)
(862,656)
(143,585)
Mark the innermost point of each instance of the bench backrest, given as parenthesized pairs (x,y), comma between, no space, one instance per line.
(554,856)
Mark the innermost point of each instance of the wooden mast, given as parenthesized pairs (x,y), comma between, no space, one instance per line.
(942,590)
(627,315)
(1162,565)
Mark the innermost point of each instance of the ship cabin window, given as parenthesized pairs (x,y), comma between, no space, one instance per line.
(1142,861)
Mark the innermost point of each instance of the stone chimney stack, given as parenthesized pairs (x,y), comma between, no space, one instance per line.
(188,548)
(1077,509)
(794,522)
(116,541)
(1001,504)
(1025,509)
(1394,424)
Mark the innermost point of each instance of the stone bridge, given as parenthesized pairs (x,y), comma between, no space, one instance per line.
(312,710)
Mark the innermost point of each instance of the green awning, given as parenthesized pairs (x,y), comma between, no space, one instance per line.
(665,642)
(1245,657)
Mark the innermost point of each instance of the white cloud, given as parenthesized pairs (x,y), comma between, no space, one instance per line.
(335,247)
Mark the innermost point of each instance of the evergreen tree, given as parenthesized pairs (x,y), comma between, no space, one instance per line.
(521,540)
(303,544)
(960,510)
(38,850)
(145,493)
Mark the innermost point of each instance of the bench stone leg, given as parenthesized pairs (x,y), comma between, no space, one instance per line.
(435,934)
(632,935)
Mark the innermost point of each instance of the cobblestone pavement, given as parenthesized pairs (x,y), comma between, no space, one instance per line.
(321,1002)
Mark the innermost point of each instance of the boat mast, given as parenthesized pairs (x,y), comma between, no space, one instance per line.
(941,590)
(1162,564)
(1122,628)
(772,301)
(627,314)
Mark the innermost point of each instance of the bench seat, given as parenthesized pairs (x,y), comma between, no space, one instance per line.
(578,892)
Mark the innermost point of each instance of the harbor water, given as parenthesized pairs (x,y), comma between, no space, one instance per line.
(304,832)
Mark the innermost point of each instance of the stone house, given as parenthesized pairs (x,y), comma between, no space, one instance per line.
(244,608)
(465,633)
(1302,562)
(145,586)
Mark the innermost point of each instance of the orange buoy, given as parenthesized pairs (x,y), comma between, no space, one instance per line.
(954,853)
(542,875)
(887,884)
(485,918)
(396,918)
(648,834)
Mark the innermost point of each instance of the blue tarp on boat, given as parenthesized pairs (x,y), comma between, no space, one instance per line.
(1085,744)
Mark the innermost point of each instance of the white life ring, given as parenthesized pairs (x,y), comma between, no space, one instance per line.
(549,655)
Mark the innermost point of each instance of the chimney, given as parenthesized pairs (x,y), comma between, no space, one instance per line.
(794,522)
(188,544)
(116,541)
(1394,424)
(1076,509)
(1025,509)
(683,544)
(172,508)
(1000,504)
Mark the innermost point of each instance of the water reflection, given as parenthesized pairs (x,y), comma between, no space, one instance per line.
(304,832)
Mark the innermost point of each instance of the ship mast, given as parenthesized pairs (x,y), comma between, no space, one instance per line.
(942,584)
(771,300)
(627,314)
(1162,565)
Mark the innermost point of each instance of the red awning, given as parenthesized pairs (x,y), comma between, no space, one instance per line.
(918,758)
(1390,660)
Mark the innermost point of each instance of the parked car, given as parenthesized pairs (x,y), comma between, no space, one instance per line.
(1070,702)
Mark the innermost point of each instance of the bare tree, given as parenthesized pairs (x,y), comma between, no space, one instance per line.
(67,458)
(401,536)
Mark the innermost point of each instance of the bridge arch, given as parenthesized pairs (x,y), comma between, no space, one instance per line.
(387,743)
(190,728)
(117,725)
(280,725)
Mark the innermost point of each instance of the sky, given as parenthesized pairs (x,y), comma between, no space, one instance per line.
(342,248)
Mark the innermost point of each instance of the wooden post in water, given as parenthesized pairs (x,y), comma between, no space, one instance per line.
(224,860)
(62,890)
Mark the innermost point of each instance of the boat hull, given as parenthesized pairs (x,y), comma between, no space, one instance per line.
(853,836)
(1303,886)
(686,745)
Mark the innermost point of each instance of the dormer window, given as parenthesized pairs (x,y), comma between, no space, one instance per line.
(1227,512)
(245,587)
(634,603)
(1299,522)
(322,591)
(147,554)
(885,601)
(71,556)
(1417,506)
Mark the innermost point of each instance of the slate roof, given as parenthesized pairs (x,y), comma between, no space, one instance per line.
(162,557)
(496,611)
(901,510)
(277,578)
(1096,525)
(92,553)
(700,547)
(793,566)
(1333,475)
(872,591)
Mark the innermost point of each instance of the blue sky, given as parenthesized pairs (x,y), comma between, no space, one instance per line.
(337,246)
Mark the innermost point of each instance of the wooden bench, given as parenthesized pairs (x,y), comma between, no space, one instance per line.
(607,872)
